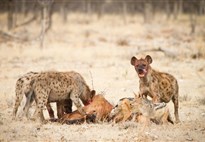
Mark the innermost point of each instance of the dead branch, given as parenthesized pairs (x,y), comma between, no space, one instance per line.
(165,51)
(91,79)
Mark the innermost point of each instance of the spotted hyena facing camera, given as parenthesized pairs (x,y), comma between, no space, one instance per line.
(160,86)
(59,86)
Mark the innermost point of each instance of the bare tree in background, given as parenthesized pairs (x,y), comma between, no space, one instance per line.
(147,11)
(193,19)
(45,19)
(88,6)
(63,10)
(176,9)
(181,6)
(124,7)
(168,9)
(202,7)
(11,12)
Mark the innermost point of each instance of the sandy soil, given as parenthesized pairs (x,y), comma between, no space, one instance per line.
(101,49)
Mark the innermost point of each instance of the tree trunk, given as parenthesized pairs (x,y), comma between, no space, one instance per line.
(124,7)
(101,7)
(147,11)
(193,19)
(168,9)
(88,7)
(23,7)
(176,9)
(181,7)
(63,10)
(202,7)
(10,14)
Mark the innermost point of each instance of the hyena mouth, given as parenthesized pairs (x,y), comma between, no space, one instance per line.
(142,72)
(88,102)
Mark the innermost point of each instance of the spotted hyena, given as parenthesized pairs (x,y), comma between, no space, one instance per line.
(59,86)
(161,87)
(24,87)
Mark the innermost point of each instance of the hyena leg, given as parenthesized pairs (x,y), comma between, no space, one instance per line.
(50,110)
(68,106)
(38,114)
(176,106)
(60,110)
(40,103)
(19,97)
(64,106)
(77,103)
(29,100)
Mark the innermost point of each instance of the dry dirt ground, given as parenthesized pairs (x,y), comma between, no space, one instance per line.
(101,49)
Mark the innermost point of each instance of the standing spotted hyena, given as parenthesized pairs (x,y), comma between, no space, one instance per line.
(24,87)
(161,87)
(58,86)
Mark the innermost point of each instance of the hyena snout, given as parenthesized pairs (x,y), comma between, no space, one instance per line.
(141,70)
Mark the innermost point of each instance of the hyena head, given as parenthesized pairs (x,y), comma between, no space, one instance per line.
(141,65)
(87,98)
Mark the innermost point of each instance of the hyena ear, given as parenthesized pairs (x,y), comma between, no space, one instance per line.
(133,59)
(92,93)
(148,58)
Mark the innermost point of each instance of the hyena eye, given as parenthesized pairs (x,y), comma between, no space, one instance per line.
(144,65)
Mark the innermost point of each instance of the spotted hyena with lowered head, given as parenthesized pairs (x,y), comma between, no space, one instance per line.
(24,87)
(59,86)
(161,87)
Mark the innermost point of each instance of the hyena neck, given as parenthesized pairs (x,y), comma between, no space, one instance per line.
(85,95)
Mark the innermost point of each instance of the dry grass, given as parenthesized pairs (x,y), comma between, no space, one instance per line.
(201,101)
(111,71)
(122,42)
(184,98)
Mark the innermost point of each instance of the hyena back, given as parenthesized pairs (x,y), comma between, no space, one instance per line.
(59,86)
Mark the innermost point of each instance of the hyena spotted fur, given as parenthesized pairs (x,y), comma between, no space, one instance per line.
(58,86)
(24,87)
(160,86)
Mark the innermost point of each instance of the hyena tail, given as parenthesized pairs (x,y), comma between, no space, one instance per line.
(19,98)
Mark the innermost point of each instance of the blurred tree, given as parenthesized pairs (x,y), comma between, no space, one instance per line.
(202,7)
(148,11)
(124,7)
(176,9)
(45,19)
(64,10)
(11,22)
